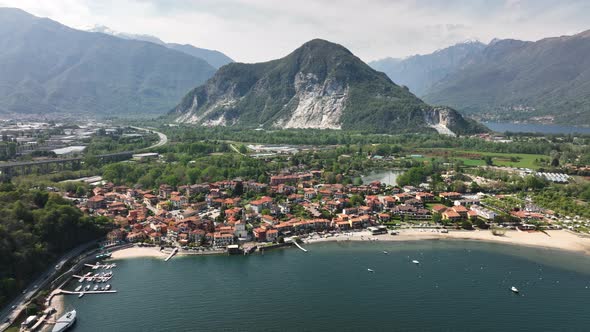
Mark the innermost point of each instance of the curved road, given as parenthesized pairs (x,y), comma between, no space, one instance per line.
(163,138)
(8,314)
(20,302)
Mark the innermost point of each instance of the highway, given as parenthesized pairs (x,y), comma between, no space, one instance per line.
(163,138)
(20,302)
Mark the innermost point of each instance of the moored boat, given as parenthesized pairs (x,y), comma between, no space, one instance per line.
(514,289)
(65,322)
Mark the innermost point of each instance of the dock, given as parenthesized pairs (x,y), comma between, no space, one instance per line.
(101,266)
(92,278)
(298,246)
(87,292)
(171,254)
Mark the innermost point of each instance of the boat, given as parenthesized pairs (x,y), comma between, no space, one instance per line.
(95,288)
(78,288)
(80,295)
(65,321)
(415,262)
(369,270)
(385,252)
(107,287)
(514,289)
(87,288)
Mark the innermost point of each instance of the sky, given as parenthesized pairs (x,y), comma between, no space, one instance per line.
(261,30)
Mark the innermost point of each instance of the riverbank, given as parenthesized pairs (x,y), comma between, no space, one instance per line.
(557,239)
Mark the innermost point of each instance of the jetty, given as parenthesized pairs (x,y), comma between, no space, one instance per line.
(171,254)
(101,266)
(294,241)
(92,278)
(87,292)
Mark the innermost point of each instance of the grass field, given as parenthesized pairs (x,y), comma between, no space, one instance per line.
(475,158)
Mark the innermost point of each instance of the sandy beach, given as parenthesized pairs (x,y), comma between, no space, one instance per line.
(136,252)
(557,239)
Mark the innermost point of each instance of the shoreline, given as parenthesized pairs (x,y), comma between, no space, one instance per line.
(554,239)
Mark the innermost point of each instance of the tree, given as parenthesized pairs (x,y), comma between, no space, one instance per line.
(466,224)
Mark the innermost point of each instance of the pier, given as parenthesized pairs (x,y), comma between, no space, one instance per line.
(294,241)
(101,266)
(171,254)
(87,292)
(92,278)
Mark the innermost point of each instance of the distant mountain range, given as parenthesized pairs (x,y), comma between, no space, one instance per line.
(214,58)
(46,67)
(420,72)
(319,85)
(547,81)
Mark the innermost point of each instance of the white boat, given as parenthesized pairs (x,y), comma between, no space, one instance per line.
(385,252)
(65,322)
(107,287)
(87,288)
(78,288)
(514,289)
(80,295)
(369,270)
(415,262)
(95,288)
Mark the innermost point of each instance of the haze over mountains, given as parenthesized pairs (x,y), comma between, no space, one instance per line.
(546,81)
(213,57)
(46,67)
(319,85)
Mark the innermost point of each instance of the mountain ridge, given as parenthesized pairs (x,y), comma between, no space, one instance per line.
(213,57)
(545,81)
(47,68)
(318,85)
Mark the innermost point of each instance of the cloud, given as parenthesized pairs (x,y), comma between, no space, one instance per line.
(258,30)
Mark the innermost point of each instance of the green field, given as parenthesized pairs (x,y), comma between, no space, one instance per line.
(474,158)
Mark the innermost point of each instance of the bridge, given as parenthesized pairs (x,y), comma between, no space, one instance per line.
(48,165)
(45,166)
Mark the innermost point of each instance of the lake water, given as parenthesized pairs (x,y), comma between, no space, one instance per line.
(458,286)
(387,177)
(536,128)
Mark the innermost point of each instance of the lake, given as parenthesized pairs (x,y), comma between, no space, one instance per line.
(387,177)
(458,286)
(536,128)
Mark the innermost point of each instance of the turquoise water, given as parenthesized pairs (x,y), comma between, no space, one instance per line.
(536,128)
(459,286)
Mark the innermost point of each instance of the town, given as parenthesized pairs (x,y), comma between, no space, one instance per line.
(215,215)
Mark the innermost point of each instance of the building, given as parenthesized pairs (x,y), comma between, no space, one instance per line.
(96,202)
(223,239)
(483,212)
(272,235)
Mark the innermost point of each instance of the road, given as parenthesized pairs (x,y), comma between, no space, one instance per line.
(163,138)
(43,280)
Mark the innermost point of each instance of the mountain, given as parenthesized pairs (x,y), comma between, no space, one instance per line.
(319,85)
(47,67)
(420,72)
(213,57)
(544,81)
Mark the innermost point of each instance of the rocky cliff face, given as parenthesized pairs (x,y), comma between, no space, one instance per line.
(320,85)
